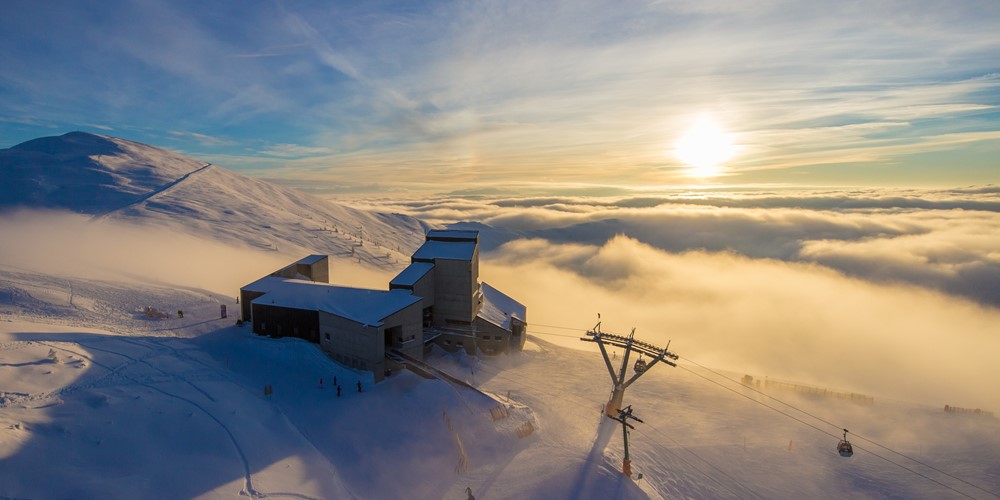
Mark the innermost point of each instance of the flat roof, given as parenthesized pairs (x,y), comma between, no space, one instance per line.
(452,250)
(368,307)
(312,259)
(266,284)
(412,274)
(498,308)
(453,235)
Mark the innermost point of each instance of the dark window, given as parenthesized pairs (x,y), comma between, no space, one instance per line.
(395,332)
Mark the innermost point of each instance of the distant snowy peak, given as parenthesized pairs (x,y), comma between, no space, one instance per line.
(86,173)
(111,178)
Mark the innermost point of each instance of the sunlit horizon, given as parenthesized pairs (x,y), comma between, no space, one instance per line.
(705,147)
(400,97)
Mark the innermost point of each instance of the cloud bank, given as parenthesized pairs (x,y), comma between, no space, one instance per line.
(942,240)
(891,293)
(792,321)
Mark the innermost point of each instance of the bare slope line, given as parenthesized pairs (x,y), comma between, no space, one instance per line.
(151,194)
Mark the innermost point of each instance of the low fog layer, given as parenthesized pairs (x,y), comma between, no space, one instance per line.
(66,244)
(791,321)
(892,294)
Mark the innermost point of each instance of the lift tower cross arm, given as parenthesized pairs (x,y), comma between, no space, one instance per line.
(629,344)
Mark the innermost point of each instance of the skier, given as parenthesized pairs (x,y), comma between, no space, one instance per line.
(338,391)
(359,386)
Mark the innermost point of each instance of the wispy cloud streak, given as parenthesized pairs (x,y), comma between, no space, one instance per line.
(485,93)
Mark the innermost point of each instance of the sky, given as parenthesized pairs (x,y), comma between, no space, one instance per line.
(344,98)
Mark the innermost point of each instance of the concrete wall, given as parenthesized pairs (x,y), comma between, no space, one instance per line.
(423,288)
(519,334)
(246,297)
(352,344)
(407,331)
(490,338)
(454,286)
(363,347)
(318,271)
(474,286)
(453,342)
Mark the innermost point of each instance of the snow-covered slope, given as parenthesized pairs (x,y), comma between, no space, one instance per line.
(99,401)
(86,173)
(115,179)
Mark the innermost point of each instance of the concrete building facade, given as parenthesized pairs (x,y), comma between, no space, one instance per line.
(437,299)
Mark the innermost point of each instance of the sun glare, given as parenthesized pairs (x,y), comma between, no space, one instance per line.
(704,147)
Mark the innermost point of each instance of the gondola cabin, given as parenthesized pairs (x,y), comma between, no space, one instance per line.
(639,366)
(844,447)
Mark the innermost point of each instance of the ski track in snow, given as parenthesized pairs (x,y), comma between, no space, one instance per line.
(248,480)
(152,194)
(156,349)
(117,375)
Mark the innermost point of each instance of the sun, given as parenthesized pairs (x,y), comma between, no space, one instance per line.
(704,147)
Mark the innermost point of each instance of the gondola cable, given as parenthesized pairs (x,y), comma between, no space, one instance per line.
(838,427)
(806,423)
(939,483)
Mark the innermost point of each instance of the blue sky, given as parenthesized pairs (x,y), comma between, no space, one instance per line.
(357,97)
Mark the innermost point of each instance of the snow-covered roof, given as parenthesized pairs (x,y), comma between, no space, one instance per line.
(266,284)
(310,260)
(498,308)
(452,250)
(368,307)
(453,235)
(412,273)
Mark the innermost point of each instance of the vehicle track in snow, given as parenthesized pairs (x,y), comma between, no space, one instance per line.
(111,379)
(116,376)
(248,488)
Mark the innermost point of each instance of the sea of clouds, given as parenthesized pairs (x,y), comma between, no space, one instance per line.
(894,294)
(887,292)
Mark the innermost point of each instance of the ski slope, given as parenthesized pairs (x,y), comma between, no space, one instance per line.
(136,407)
(100,400)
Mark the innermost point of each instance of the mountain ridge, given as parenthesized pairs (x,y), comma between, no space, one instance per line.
(110,178)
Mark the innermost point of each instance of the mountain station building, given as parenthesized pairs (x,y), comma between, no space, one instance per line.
(437,299)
